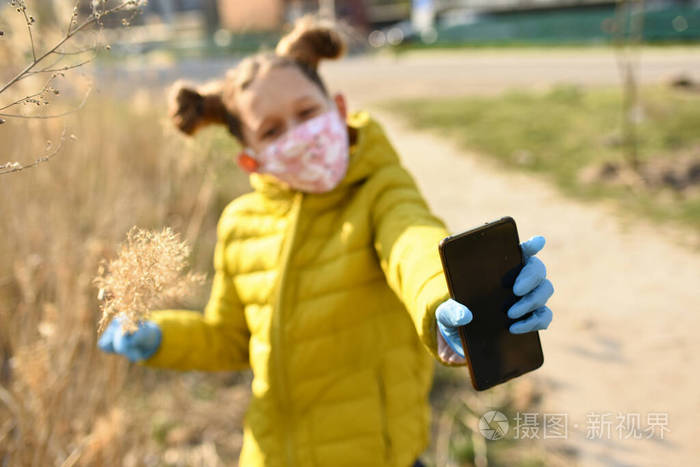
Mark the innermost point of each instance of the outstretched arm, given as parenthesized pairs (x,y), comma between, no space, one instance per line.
(215,340)
(406,238)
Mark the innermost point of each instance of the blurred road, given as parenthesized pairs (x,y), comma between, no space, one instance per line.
(448,73)
(445,73)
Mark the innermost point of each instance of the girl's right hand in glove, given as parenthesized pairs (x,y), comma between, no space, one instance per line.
(136,346)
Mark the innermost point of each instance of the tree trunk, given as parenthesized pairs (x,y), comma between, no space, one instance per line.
(627,36)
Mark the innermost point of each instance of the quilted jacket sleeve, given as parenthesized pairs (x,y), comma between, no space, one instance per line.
(216,340)
(406,238)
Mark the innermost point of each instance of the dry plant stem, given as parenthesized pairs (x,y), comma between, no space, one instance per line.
(29,70)
(74,52)
(62,114)
(29,28)
(444,430)
(11,167)
(65,68)
(50,69)
(71,32)
(30,97)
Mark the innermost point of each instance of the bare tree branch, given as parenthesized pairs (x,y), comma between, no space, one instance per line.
(65,68)
(28,98)
(29,20)
(45,117)
(11,167)
(93,18)
(74,52)
(99,11)
(74,16)
(627,35)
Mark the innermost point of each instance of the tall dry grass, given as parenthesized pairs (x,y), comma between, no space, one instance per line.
(62,401)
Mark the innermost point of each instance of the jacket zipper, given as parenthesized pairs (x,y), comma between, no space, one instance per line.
(281,375)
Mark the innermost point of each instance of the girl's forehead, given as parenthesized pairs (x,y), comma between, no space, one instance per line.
(274,91)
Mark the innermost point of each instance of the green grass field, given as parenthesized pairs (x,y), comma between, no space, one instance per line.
(560,133)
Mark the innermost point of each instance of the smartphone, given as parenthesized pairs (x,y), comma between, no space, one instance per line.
(480,267)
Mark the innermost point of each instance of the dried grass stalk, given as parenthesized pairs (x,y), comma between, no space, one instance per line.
(148,273)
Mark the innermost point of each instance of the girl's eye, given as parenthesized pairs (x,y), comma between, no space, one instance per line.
(270,132)
(308,111)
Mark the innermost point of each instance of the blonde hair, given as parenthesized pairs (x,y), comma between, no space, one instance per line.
(310,41)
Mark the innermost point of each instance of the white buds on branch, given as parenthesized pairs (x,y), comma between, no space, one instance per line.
(100,10)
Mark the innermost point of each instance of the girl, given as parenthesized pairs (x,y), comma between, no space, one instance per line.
(328,281)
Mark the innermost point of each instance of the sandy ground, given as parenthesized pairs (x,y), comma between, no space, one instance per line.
(627,300)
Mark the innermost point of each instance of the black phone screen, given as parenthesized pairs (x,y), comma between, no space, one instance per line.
(481,266)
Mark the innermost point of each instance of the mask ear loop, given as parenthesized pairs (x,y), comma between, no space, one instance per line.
(247,162)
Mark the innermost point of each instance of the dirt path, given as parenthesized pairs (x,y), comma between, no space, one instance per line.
(624,337)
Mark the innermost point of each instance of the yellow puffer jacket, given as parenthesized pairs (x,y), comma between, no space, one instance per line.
(330,298)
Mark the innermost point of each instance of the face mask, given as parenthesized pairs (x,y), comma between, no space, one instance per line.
(311,157)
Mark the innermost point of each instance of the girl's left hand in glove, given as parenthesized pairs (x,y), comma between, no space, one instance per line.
(136,346)
(531,284)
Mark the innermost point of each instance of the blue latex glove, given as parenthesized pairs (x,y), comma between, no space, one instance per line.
(531,284)
(136,346)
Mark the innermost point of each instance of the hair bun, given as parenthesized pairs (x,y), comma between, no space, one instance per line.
(312,39)
(191,108)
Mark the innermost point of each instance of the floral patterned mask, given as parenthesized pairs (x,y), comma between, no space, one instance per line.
(312,157)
